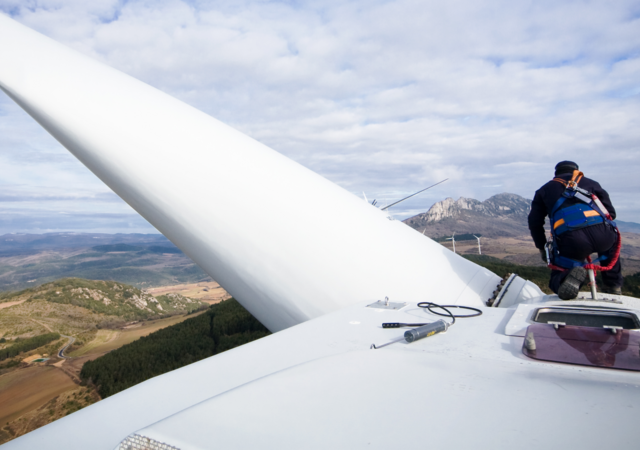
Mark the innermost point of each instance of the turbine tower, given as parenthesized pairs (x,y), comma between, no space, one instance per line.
(479,249)
(453,241)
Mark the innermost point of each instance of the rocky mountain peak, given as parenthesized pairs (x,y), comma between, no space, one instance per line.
(499,205)
(504,214)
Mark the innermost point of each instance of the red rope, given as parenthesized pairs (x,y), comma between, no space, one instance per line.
(614,260)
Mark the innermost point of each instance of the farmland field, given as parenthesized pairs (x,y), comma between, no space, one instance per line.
(107,340)
(24,390)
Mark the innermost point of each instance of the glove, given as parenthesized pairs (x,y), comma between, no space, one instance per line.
(543,255)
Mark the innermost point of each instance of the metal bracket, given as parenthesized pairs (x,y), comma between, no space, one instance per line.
(584,298)
(557,325)
(386,304)
(614,329)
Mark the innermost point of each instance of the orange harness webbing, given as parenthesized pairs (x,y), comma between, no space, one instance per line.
(575,179)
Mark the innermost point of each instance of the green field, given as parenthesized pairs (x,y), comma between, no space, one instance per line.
(108,340)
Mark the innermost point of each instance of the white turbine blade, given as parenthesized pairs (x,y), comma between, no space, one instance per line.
(170,162)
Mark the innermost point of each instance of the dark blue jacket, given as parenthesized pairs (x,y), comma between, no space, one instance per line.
(547,196)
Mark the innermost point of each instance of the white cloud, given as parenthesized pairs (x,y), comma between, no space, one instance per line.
(384,97)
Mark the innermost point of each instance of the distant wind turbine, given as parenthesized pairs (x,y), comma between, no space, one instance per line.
(479,249)
(453,241)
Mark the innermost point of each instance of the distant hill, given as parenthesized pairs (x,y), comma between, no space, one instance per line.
(503,215)
(28,260)
(109,248)
(74,305)
(18,243)
(117,248)
(628,227)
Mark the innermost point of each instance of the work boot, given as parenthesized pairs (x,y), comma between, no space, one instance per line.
(571,285)
(615,290)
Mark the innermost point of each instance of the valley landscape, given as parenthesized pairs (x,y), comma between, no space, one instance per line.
(84,316)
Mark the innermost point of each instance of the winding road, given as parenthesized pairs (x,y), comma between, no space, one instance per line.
(71,341)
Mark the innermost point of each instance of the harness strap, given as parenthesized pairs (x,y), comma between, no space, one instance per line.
(586,214)
(575,178)
(557,206)
(563,263)
(573,182)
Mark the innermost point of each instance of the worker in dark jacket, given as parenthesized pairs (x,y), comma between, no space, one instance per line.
(597,236)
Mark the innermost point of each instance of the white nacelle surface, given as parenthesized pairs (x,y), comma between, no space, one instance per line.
(319,385)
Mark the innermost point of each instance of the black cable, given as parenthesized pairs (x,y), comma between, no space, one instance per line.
(429,305)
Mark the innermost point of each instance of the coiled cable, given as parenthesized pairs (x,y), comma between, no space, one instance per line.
(428,306)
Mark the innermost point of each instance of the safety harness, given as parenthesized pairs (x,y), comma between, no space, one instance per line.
(577,208)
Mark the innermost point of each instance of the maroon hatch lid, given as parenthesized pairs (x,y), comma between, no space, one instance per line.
(587,346)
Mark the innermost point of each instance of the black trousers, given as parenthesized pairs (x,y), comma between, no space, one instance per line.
(579,244)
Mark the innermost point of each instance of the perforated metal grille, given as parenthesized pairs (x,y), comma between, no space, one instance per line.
(137,442)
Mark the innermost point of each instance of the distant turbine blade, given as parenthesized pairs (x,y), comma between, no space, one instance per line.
(389,206)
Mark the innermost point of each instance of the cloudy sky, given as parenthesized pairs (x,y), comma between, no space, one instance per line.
(385,97)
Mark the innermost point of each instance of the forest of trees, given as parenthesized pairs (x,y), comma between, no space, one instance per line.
(224,326)
(536,274)
(631,285)
(25,345)
(540,274)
